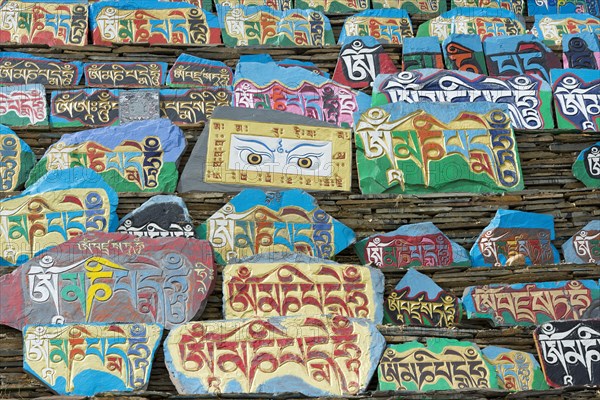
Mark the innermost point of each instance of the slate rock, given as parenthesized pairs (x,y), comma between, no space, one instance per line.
(125,74)
(160,216)
(307,65)
(290,354)
(199,104)
(23,105)
(86,359)
(418,301)
(516,238)
(414,7)
(24,69)
(388,26)
(255,222)
(441,364)
(551,28)
(190,71)
(559,7)
(516,370)
(69,108)
(136,157)
(60,205)
(281,289)
(278,257)
(412,245)
(464,52)
(111,277)
(575,91)
(586,167)
(581,51)
(421,52)
(138,105)
(584,246)
(16,160)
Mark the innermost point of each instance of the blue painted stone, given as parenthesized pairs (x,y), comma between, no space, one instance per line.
(464,52)
(279,256)
(191,71)
(16,160)
(23,105)
(136,157)
(515,370)
(23,69)
(584,246)
(257,222)
(421,52)
(551,28)
(388,26)
(72,108)
(546,7)
(575,98)
(581,51)
(310,66)
(68,202)
(516,238)
(586,167)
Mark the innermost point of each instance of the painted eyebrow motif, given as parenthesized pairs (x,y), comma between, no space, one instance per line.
(256,142)
(306,145)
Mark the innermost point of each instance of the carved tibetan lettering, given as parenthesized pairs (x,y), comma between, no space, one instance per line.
(61,205)
(581,51)
(586,167)
(25,69)
(190,71)
(256,222)
(573,7)
(437,147)
(413,7)
(387,26)
(23,105)
(421,52)
(333,6)
(192,107)
(281,5)
(516,6)
(577,98)
(316,356)
(516,370)
(584,246)
(84,107)
(551,28)
(138,105)
(16,160)
(125,75)
(464,52)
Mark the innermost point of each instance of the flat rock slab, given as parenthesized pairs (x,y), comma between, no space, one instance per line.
(388,26)
(516,238)
(138,105)
(464,52)
(125,74)
(574,93)
(24,69)
(23,105)
(412,245)
(418,301)
(194,106)
(316,356)
(422,8)
(516,370)
(586,167)
(568,352)
(256,222)
(86,359)
(60,205)
(584,246)
(421,52)
(136,157)
(581,51)
(16,160)
(552,28)
(70,108)
(111,277)
(528,304)
(442,364)
(295,289)
(191,71)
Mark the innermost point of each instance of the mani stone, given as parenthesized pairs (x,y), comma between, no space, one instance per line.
(86,359)
(138,105)
(197,103)
(516,238)
(161,216)
(575,98)
(136,157)
(559,7)
(190,71)
(412,245)
(125,74)
(423,8)
(581,51)
(464,52)
(586,167)
(256,222)
(551,28)
(111,277)
(16,160)
(527,304)
(73,108)
(60,205)
(388,26)
(421,52)
(243,147)
(23,105)
(441,365)
(314,355)
(584,246)
(418,301)
(568,352)
(516,370)
(414,148)
(24,69)
(307,65)
(282,289)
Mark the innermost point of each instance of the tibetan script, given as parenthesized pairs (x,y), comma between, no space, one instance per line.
(84,107)
(127,75)
(189,107)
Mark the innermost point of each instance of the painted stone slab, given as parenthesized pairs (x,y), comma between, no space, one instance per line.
(412,245)
(189,71)
(307,65)
(192,107)
(60,205)
(516,6)
(437,147)
(568,352)
(543,7)
(261,25)
(25,69)
(413,7)
(527,304)
(153,22)
(387,26)
(53,23)
(551,28)
(577,98)
(516,238)
(111,277)
(84,107)
(516,370)
(281,5)
(519,55)
(581,51)
(85,359)
(584,246)
(16,160)
(586,167)
(441,365)
(297,91)
(138,105)
(136,157)
(296,289)
(464,52)
(360,61)
(205,4)
(23,105)
(316,356)
(125,74)
(418,300)
(528,98)
(333,6)
(161,216)
(256,222)
(486,22)
(421,52)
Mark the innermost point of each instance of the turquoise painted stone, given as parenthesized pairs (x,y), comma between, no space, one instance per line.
(16,160)
(584,246)
(586,167)
(516,370)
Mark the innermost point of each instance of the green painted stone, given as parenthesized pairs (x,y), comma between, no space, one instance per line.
(16,160)
(23,105)
(587,166)
(516,370)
